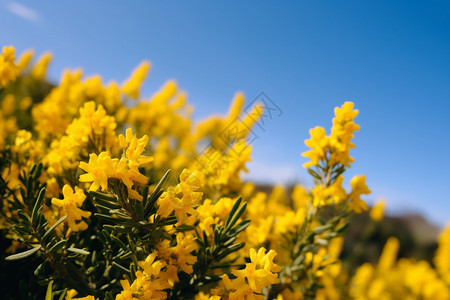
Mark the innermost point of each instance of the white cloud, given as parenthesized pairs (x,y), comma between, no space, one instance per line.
(23,11)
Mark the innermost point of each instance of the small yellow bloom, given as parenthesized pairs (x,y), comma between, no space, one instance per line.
(377,211)
(359,187)
(182,197)
(99,169)
(70,206)
(261,271)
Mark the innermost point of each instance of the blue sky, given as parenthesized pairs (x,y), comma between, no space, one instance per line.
(392,58)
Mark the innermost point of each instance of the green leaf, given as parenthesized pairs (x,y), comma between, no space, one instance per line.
(53,227)
(145,196)
(109,296)
(49,294)
(106,217)
(139,209)
(236,217)
(37,205)
(119,242)
(185,227)
(314,174)
(63,294)
(230,249)
(29,187)
(233,210)
(78,251)
(155,195)
(120,267)
(37,174)
(106,204)
(21,230)
(57,246)
(321,229)
(126,255)
(341,228)
(24,216)
(23,254)
(239,228)
(104,196)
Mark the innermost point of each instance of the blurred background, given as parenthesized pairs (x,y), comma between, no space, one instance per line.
(390,58)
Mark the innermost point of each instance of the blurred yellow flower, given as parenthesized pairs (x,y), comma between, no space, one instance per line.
(9,71)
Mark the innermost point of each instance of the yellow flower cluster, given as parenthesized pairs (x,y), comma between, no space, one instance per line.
(159,270)
(94,131)
(39,71)
(181,198)
(9,71)
(102,167)
(149,284)
(402,279)
(258,274)
(335,148)
(132,85)
(73,150)
(442,258)
(70,206)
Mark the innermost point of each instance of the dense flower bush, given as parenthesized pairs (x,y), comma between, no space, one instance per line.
(105,195)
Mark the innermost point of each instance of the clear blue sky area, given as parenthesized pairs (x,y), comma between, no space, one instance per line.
(392,58)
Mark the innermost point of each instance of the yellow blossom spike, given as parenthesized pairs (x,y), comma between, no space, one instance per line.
(236,107)
(389,255)
(40,69)
(318,144)
(133,83)
(25,59)
(9,71)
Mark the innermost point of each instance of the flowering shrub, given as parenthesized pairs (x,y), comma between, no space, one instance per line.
(109,196)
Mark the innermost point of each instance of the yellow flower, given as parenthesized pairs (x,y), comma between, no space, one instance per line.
(300,197)
(70,206)
(132,85)
(99,169)
(182,252)
(93,126)
(327,195)
(336,191)
(333,149)
(203,296)
(261,271)
(342,133)
(442,258)
(389,255)
(359,187)
(135,148)
(318,144)
(9,71)
(150,266)
(40,69)
(183,197)
(377,211)
(25,59)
